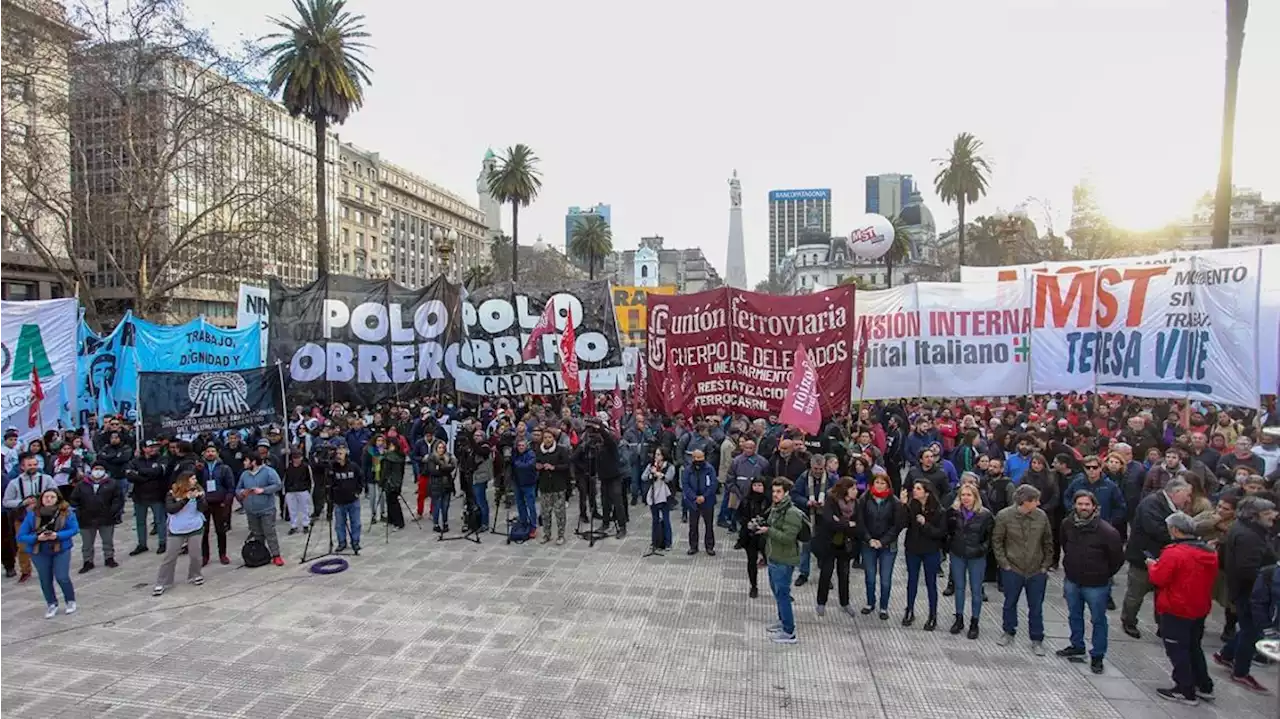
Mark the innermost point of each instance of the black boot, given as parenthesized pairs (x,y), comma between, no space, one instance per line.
(931,623)
(958,625)
(909,618)
(973,628)
(753,593)
(950,591)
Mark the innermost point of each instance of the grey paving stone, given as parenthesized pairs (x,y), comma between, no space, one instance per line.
(418,628)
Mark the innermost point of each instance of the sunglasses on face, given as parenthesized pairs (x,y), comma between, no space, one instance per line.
(1092,466)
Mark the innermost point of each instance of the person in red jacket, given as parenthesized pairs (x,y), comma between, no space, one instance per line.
(1183,577)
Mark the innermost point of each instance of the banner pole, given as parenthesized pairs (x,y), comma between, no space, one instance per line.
(284,404)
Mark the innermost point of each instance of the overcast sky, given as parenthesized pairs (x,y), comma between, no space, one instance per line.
(649,106)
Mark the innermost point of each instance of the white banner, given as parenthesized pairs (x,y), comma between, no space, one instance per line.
(254,309)
(55,409)
(39,333)
(1183,329)
(943,339)
(1267,350)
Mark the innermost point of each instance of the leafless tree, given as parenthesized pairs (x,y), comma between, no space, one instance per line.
(177,172)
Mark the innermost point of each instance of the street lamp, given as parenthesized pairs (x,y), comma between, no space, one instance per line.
(444,244)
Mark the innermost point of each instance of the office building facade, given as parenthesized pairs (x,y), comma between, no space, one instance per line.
(888,194)
(793,213)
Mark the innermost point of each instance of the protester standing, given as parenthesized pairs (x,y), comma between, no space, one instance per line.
(656,480)
(149,476)
(525,478)
(754,506)
(346,482)
(392,479)
(219,482)
(440,467)
(969,528)
(1184,575)
(833,533)
(185,508)
(256,489)
(97,500)
(880,518)
(298,481)
(782,547)
(926,536)
(1023,545)
(552,464)
(22,497)
(47,533)
(1092,553)
(1147,536)
(1245,551)
(700,501)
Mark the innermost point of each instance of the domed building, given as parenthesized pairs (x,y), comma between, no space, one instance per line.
(820,262)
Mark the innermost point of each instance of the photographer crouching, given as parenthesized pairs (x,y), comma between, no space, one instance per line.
(601,442)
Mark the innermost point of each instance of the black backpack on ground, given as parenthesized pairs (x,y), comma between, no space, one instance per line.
(255,552)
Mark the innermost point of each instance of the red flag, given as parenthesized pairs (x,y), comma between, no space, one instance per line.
(615,409)
(588,398)
(546,323)
(800,406)
(37,396)
(569,354)
(864,347)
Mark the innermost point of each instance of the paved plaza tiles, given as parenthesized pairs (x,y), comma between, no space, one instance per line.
(419,628)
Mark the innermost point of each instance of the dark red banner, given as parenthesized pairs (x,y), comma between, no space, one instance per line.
(733,349)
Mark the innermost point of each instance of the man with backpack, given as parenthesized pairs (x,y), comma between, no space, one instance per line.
(256,489)
(784,528)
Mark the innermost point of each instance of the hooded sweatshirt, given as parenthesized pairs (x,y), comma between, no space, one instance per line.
(1184,576)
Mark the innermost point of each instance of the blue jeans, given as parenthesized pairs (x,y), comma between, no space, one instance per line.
(1240,650)
(968,572)
(1096,598)
(727,518)
(780,585)
(158,515)
(480,493)
(440,508)
(526,505)
(660,536)
(931,563)
(344,515)
(1035,585)
(637,488)
(54,566)
(878,562)
(805,557)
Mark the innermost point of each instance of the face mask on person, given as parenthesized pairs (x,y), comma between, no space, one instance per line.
(98,473)
(697,463)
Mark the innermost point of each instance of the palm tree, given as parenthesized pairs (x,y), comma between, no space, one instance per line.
(899,249)
(317,62)
(591,238)
(477,276)
(1237,11)
(516,179)
(962,177)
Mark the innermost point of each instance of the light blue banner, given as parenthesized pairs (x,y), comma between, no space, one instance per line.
(109,366)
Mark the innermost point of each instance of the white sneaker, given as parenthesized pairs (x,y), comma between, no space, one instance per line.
(1037,648)
(158,590)
(773,628)
(51,611)
(71,608)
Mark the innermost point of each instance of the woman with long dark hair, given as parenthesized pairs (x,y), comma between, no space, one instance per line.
(185,507)
(754,506)
(47,532)
(440,467)
(656,480)
(833,535)
(926,536)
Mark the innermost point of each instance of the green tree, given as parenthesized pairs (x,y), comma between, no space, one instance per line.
(962,178)
(770,285)
(516,179)
(591,238)
(1237,11)
(318,69)
(899,249)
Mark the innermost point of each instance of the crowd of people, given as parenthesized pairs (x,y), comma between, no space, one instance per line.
(1180,497)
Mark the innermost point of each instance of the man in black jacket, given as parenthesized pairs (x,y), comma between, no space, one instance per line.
(1092,553)
(346,482)
(219,484)
(150,477)
(1147,536)
(608,469)
(551,461)
(1245,551)
(929,471)
(99,504)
